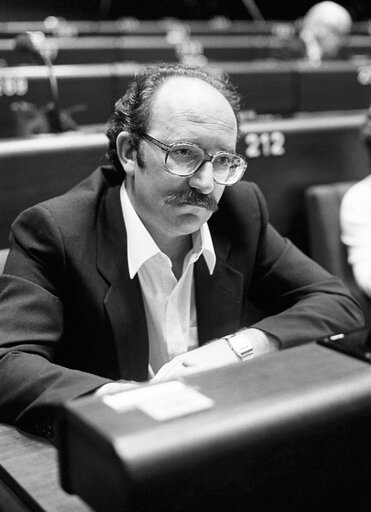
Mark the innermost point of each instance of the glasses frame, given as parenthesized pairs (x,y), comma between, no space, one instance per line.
(209,158)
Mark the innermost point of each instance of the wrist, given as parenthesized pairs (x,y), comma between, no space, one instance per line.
(240,345)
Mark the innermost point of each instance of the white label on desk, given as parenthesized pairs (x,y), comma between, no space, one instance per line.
(161,401)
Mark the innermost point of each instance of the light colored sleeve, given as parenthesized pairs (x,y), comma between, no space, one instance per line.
(355,224)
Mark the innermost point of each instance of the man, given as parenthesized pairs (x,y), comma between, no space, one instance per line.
(134,274)
(355,221)
(323,32)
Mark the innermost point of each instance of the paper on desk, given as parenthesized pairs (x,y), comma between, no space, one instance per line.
(161,401)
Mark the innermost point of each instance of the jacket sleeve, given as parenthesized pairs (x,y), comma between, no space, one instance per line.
(32,386)
(300,299)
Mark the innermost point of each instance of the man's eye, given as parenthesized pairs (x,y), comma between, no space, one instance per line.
(223,161)
(183,152)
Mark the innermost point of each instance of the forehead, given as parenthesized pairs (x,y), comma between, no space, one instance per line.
(187,100)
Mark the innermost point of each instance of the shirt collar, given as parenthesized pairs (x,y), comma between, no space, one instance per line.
(141,246)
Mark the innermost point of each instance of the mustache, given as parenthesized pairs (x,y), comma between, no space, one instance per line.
(194,198)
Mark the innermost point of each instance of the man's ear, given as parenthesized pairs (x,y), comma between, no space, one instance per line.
(125,152)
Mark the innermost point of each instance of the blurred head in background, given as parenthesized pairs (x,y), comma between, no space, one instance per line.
(325,30)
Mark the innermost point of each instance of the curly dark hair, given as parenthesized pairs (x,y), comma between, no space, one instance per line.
(132,112)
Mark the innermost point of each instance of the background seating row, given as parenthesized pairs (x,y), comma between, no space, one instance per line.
(266,88)
(96,49)
(54,26)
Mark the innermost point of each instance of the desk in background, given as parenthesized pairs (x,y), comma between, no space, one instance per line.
(286,156)
(266,87)
(32,170)
(124,26)
(153,48)
(29,477)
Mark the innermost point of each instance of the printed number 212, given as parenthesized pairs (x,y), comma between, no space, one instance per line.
(265,144)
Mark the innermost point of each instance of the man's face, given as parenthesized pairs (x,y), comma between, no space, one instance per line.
(184,110)
(330,38)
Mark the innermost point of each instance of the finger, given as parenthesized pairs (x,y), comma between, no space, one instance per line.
(171,370)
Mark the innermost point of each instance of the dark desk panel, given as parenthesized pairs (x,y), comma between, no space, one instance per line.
(33,170)
(97,49)
(146,48)
(93,88)
(336,85)
(287,431)
(132,26)
(106,49)
(265,88)
(287,156)
(29,477)
(238,47)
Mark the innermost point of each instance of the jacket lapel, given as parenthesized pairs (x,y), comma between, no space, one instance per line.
(123,302)
(219,296)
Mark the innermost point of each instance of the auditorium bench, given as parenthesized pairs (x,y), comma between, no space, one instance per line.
(266,87)
(120,27)
(32,170)
(286,156)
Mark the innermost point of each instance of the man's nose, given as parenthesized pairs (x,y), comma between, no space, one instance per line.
(203,178)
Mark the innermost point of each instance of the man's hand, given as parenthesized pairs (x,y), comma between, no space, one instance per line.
(115,387)
(211,355)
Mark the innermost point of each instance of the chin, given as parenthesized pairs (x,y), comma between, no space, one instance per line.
(191,222)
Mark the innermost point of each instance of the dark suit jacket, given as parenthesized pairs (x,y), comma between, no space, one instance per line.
(71,319)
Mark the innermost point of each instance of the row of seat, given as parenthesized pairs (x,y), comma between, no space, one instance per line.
(266,88)
(54,26)
(99,49)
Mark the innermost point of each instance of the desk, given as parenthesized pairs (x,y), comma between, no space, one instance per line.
(266,87)
(33,170)
(287,431)
(29,479)
(286,156)
(83,28)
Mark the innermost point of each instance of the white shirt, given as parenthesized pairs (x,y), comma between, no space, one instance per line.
(169,304)
(355,222)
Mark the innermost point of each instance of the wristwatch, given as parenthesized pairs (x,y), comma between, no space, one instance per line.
(240,344)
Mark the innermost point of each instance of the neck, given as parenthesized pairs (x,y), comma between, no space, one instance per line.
(176,249)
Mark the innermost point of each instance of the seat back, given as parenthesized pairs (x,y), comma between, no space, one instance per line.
(326,248)
(3,257)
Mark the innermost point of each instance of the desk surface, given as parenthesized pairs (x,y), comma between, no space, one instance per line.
(29,479)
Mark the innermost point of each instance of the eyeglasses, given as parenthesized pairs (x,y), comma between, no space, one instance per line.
(185,158)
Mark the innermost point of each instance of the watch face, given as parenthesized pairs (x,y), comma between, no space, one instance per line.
(239,341)
(242,346)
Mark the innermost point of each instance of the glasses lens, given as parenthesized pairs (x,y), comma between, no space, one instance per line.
(228,168)
(183,159)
